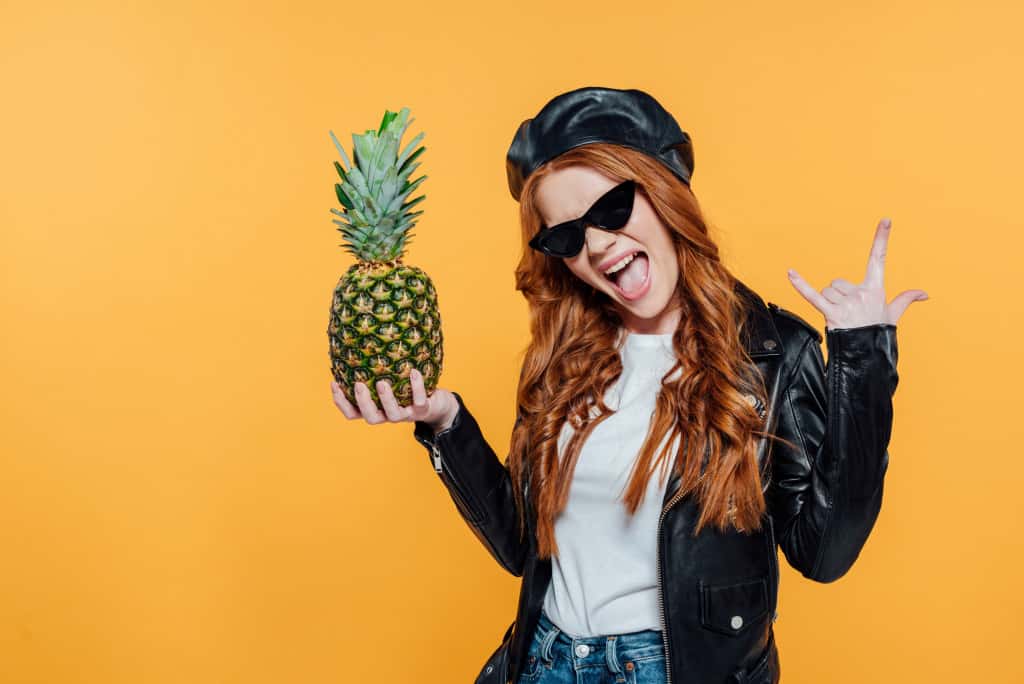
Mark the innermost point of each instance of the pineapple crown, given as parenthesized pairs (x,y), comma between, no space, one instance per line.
(376,222)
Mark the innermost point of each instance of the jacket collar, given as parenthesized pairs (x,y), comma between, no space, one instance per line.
(760,336)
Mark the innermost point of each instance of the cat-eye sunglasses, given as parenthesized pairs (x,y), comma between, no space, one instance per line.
(611,212)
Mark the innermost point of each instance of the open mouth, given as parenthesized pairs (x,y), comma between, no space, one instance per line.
(633,280)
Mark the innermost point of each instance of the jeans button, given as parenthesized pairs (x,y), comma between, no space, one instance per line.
(582,650)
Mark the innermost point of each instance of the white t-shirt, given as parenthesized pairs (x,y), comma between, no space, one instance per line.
(604,579)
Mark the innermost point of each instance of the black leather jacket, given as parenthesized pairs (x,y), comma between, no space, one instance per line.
(718,591)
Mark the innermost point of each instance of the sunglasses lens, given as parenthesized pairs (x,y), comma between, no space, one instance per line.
(613,211)
(564,242)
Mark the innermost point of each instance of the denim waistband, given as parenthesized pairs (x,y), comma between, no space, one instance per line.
(611,650)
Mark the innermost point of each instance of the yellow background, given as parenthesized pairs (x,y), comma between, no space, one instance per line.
(180,500)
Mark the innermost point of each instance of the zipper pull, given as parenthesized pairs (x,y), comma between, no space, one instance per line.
(437,457)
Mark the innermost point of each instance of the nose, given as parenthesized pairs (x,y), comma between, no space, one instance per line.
(599,240)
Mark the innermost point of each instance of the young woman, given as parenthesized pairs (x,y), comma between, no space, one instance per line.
(673,428)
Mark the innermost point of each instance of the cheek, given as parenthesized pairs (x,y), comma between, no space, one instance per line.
(578,269)
(668,271)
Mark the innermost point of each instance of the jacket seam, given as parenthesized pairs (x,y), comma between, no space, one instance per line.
(811,460)
(796,364)
(476,507)
(831,437)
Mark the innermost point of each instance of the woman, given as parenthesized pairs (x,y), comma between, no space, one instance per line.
(673,428)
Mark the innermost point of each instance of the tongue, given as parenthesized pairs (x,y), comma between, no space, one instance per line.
(634,274)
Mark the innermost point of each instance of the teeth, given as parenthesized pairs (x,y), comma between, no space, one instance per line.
(622,264)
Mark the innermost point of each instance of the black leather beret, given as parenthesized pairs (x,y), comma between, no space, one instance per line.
(631,118)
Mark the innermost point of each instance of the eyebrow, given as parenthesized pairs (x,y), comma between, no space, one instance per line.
(578,213)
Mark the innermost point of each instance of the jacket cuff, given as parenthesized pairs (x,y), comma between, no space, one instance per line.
(424,433)
(861,342)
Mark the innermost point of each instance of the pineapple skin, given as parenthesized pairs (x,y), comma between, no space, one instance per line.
(384,321)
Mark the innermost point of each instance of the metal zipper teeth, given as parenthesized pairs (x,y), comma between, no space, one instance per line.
(434,450)
(661,603)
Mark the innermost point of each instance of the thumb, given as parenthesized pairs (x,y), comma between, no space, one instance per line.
(903,300)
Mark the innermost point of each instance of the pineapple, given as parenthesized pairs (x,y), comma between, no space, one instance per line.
(384,315)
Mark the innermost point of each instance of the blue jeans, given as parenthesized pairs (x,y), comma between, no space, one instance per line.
(555,657)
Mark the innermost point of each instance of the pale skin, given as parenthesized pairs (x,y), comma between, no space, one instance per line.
(566,194)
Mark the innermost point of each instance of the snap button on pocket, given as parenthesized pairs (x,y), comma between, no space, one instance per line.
(734,607)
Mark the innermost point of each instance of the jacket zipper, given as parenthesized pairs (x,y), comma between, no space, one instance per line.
(661,604)
(661,601)
(446,476)
(437,458)
(434,450)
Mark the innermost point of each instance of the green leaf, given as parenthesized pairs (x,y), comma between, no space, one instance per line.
(388,118)
(413,185)
(359,182)
(342,197)
(408,149)
(341,150)
(353,194)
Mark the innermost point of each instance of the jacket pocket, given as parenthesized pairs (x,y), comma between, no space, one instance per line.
(732,608)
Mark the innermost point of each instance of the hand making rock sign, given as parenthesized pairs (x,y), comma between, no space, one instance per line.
(846,305)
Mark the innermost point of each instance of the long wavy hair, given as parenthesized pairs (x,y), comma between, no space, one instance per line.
(573,359)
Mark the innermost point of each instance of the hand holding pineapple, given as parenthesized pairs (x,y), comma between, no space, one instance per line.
(437,410)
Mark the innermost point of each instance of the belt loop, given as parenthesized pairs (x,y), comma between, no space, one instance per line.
(611,656)
(549,639)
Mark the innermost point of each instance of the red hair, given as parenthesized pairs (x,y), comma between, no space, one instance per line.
(572,360)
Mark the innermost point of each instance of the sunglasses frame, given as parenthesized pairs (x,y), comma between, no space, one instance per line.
(580,224)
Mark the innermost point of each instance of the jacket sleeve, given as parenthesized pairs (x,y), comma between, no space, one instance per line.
(826,495)
(479,484)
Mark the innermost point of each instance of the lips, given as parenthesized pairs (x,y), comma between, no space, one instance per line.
(615,276)
(643,289)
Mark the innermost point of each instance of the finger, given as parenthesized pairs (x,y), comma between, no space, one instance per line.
(371,414)
(874,276)
(833,295)
(810,294)
(392,410)
(342,402)
(419,394)
(843,285)
(900,303)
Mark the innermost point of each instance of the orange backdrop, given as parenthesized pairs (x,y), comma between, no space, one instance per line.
(182,502)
